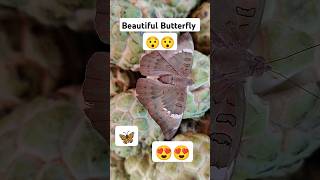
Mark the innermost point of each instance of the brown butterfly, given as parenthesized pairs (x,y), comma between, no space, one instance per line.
(234,26)
(164,91)
(127,137)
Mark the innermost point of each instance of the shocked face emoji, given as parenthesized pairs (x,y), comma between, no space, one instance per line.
(152,42)
(167,42)
(163,152)
(181,152)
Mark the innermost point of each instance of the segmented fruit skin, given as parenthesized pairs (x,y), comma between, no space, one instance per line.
(76,14)
(199,168)
(119,80)
(201,39)
(281,129)
(126,110)
(50,139)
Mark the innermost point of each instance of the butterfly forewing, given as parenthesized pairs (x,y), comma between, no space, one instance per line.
(236,22)
(249,14)
(153,64)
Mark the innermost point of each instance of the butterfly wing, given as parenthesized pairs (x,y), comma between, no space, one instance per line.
(124,138)
(227,122)
(224,22)
(102,20)
(130,137)
(153,64)
(249,14)
(95,93)
(181,59)
(236,22)
(164,102)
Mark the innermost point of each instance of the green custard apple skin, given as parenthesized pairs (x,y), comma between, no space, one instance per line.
(117,170)
(140,166)
(50,139)
(199,168)
(127,46)
(198,95)
(30,70)
(202,38)
(77,15)
(126,110)
(119,80)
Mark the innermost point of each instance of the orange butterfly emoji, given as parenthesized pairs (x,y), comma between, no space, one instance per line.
(127,137)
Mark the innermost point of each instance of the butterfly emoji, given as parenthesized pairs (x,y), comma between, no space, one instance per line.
(127,137)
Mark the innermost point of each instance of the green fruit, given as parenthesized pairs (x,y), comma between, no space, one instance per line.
(202,38)
(119,80)
(27,68)
(140,166)
(76,14)
(117,171)
(198,99)
(126,110)
(166,9)
(126,46)
(199,168)
(50,139)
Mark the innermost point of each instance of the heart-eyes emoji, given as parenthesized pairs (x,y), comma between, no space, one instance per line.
(181,152)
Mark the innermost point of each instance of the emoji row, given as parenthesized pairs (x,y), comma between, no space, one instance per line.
(172,151)
(159,41)
(181,152)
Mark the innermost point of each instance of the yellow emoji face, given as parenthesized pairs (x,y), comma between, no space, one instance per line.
(152,42)
(163,152)
(181,152)
(167,42)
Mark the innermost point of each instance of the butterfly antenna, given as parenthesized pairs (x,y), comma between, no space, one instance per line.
(298,52)
(296,84)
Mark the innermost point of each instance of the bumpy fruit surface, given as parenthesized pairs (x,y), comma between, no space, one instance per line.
(50,139)
(199,168)
(202,38)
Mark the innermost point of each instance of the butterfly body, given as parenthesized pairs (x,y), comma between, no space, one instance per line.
(165,94)
(175,80)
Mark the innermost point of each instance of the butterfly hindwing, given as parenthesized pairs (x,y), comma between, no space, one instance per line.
(228,120)
(165,104)
(130,137)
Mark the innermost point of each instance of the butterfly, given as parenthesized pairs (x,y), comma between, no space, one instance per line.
(127,137)
(164,91)
(235,24)
(233,31)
